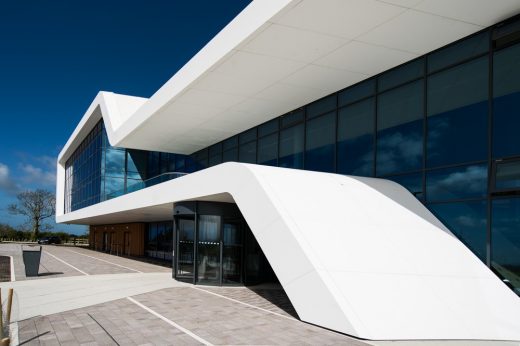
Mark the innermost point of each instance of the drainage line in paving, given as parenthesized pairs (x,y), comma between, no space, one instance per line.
(99,324)
(70,265)
(102,260)
(170,322)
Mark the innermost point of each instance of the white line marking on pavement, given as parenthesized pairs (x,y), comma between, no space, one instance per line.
(246,304)
(170,322)
(70,265)
(13,278)
(102,260)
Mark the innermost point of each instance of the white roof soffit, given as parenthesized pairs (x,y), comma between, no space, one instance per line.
(277,55)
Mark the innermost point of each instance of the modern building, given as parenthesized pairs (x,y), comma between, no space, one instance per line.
(363,153)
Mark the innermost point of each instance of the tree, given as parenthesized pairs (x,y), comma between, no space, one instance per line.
(36,205)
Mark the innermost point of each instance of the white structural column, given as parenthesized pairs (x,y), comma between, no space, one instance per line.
(360,256)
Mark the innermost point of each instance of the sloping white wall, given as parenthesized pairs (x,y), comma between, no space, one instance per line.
(357,255)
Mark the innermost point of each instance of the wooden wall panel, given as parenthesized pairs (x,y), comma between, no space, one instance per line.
(111,238)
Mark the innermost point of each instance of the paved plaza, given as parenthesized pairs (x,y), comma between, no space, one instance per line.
(83,297)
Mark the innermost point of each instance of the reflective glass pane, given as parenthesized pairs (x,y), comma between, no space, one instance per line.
(400,129)
(506,102)
(291,147)
(268,150)
(209,248)
(460,51)
(247,152)
(230,143)
(232,253)
(292,118)
(356,139)
(468,221)
(320,143)
(114,186)
(215,160)
(412,182)
(505,240)
(357,92)
(457,183)
(230,155)
(215,149)
(400,75)
(458,99)
(186,250)
(507,175)
(268,128)
(115,162)
(248,136)
(319,107)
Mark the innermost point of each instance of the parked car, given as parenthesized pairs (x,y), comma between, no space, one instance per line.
(49,240)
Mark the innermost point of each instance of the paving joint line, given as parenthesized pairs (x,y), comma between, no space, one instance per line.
(170,322)
(99,324)
(70,265)
(102,260)
(247,304)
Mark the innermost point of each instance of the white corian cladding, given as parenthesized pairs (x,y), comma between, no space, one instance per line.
(357,255)
(278,55)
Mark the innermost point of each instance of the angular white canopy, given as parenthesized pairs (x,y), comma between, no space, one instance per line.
(278,55)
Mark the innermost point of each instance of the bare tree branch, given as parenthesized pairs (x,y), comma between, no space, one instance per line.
(36,205)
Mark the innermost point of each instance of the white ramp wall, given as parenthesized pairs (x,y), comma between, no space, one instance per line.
(357,255)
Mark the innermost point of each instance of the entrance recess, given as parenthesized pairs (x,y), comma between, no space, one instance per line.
(215,246)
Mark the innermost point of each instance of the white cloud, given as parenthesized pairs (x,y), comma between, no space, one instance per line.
(38,176)
(6,183)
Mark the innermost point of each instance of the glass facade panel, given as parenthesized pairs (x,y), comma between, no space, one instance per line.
(319,107)
(507,176)
(357,92)
(268,128)
(208,260)
(468,221)
(159,240)
(505,240)
(458,52)
(230,155)
(400,75)
(506,102)
(230,143)
(232,253)
(186,248)
(268,150)
(400,129)
(291,147)
(412,182)
(356,139)
(457,183)
(247,136)
(320,143)
(458,99)
(247,152)
(292,118)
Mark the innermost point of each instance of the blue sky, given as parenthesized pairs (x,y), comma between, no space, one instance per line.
(56,55)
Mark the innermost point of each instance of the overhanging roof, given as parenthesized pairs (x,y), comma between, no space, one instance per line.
(278,55)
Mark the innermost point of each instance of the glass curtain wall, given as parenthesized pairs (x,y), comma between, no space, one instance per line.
(159,240)
(97,171)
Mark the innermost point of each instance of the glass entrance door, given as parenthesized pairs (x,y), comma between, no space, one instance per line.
(232,240)
(208,249)
(186,247)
